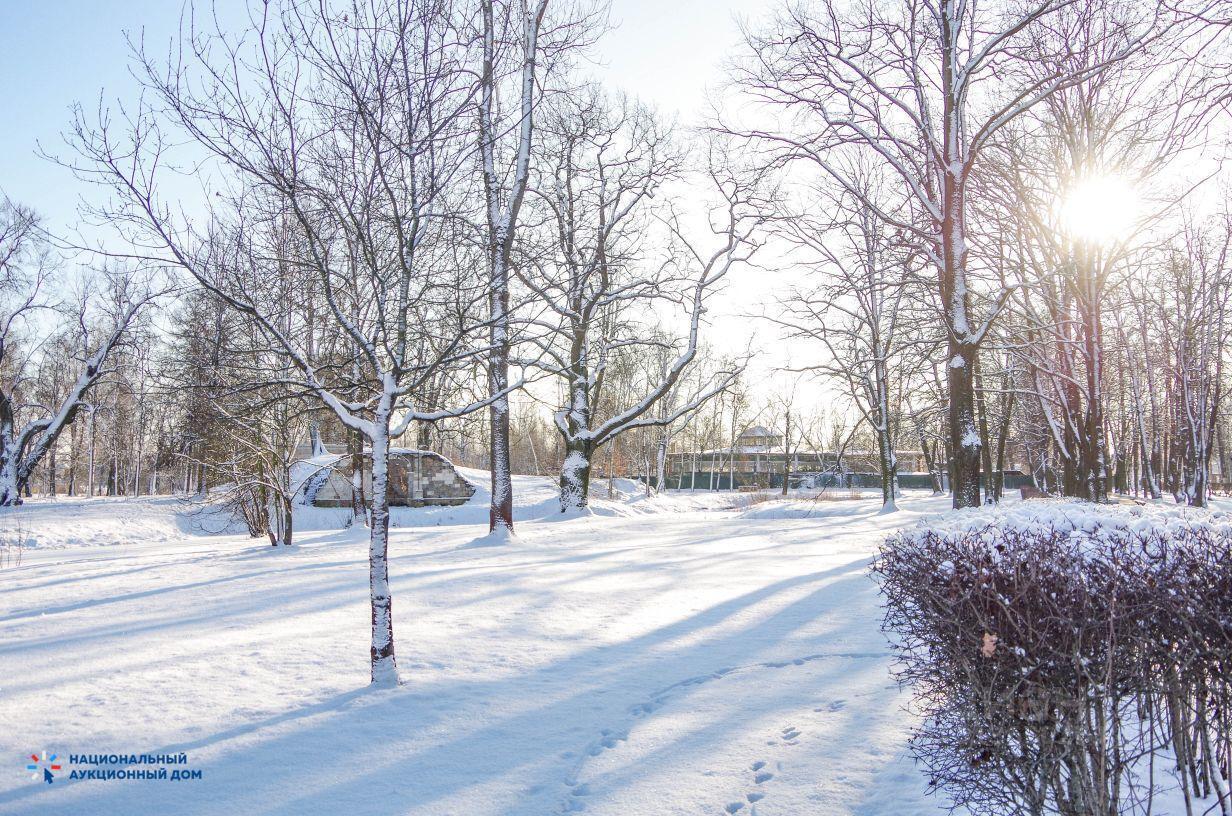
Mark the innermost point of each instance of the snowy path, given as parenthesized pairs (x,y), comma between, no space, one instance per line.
(686,662)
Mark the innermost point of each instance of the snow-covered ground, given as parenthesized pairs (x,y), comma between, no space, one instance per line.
(674,655)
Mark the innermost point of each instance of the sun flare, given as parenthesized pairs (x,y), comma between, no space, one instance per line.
(1100,209)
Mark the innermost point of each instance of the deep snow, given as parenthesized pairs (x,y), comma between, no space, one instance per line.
(666,656)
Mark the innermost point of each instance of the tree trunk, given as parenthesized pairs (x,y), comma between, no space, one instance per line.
(288,515)
(963,347)
(355,443)
(1095,466)
(384,666)
(1150,482)
(981,404)
(1002,439)
(646,464)
(500,515)
(93,444)
(611,467)
(574,425)
(930,461)
(502,223)
(575,477)
(964,437)
(281,524)
(731,465)
(137,456)
(10,486)
(787,453)
(661,463)
(1199,484)
(889,470)
(73,436)
(51,471)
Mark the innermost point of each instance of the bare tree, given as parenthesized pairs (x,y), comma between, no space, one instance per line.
(29,428)
(342,143)
(1131,117)
(521,45)
(924,88)
(854,305)
(599,276)
(1194,306)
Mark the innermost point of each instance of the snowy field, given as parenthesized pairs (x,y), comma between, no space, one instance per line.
(666,656)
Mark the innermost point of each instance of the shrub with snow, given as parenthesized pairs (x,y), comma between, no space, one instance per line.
(1068,658)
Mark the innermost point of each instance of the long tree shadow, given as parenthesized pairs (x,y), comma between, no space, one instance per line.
(365,752)
(148,593)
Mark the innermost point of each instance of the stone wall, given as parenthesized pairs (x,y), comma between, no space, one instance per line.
(439,483)
(416,478)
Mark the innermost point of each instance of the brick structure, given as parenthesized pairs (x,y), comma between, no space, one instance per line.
(416,478)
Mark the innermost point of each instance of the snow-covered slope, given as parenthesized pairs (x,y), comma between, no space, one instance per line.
(80,522)
(690,660)
(77,522)
(536,498)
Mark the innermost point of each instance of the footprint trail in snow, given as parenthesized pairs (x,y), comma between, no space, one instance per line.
(728,706)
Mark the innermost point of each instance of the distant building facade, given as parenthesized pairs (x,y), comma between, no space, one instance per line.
(758,460)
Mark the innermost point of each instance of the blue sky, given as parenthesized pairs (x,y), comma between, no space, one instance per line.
(58,52)
(54,53)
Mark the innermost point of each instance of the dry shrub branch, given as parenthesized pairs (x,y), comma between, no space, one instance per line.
(1068,659)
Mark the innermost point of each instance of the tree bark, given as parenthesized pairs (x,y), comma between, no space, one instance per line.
(384,666)
(575,476)
(889,472)
(500,514)
(964,437)
(661,463)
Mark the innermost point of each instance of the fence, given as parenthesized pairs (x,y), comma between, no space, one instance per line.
(702,480)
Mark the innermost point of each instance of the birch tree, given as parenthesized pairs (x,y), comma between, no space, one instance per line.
(339,145)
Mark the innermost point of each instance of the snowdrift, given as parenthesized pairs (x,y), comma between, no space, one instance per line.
(46,523)
(58,523)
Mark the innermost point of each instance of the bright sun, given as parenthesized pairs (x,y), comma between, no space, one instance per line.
(1100,209)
